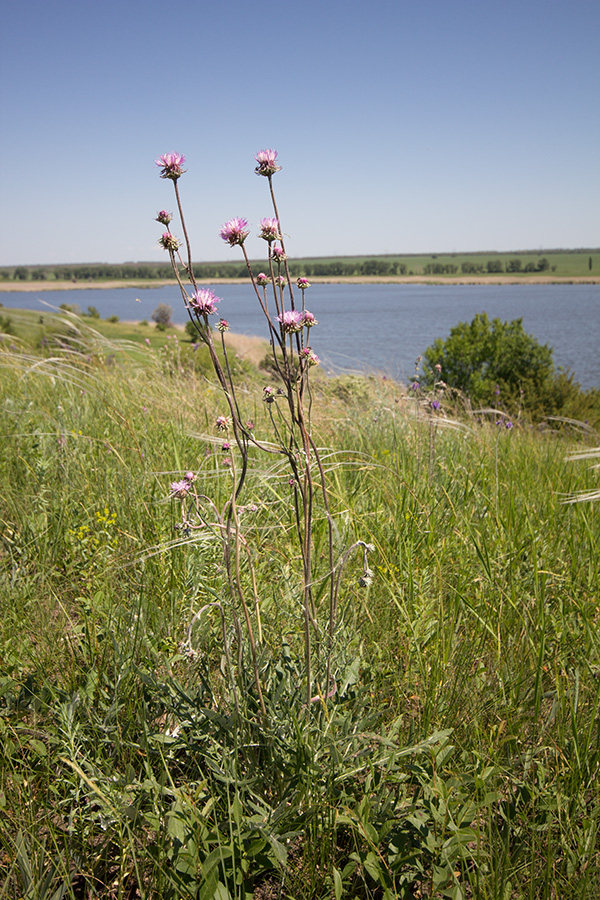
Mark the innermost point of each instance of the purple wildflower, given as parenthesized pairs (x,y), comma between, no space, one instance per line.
(262,279)
(435,404)
(508,424)
(269,230)
(226,446)
(180,488)
(267,162)
(278,253)
(303,283)
(169,242)
(222,423)
(223,325)
(204,302)
(235,231)
(190,476)
(291,321)
(308,319)
(268,394)
(415,386)
(311,358)
(164,217)
(250,425)
(171,165)
(280,281)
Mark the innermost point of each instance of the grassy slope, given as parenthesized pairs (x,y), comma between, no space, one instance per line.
(482,616)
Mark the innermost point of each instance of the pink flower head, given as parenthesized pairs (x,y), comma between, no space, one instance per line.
(268,394)
(308,319)
(438,367)
(262,279)
(190,476)
(180,488)
(303,283)
(290,321)
(269,230)
(311,358)
(278,253)
(164,217)
(222,423)
(267,162)
(171,165)
(169,242)
(235,231)
(226,446)
(280,281)
(204,302)
(223,325)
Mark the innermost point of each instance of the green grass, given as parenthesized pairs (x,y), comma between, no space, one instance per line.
(460,755)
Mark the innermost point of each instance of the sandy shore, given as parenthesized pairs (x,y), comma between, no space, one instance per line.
(34,286)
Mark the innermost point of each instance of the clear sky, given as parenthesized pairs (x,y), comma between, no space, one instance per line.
(402,127)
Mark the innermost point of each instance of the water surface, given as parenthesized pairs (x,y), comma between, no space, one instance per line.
(382,327)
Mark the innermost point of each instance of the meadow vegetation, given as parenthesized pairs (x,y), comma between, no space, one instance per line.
(196,702)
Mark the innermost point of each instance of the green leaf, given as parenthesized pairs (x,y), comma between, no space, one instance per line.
(338,886)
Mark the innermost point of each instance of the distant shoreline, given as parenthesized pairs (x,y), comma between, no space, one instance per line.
(33,286)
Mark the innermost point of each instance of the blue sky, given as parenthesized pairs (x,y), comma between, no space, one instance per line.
(401,127)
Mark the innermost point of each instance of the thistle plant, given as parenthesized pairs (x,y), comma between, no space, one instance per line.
(288,406)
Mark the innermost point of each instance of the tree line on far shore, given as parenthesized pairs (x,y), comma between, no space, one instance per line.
(325,267)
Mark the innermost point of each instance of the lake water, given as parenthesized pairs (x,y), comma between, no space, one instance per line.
(382,327)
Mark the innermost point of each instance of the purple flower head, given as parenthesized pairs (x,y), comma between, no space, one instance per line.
(223,325)
(226,446)
(311,358)
(268,394)
(262,279)
(435,404)
(171,165)
(290,321)
(303,283)
(164,217)
(267,162)
(169,242)
(497,391)
(180,488)
(415,386)
(222,423)
(508,424)
(280,281)
(250,425)
(204,302)
(190,476)
(278,253)
(235,231)
(269,230)
(308,319)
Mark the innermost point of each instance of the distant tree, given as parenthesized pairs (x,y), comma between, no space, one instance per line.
(21,273)
(590,264)
(514,265)
(490,359)
(543,264)
(162,315)
(494,265)
(93,312)
(113,319)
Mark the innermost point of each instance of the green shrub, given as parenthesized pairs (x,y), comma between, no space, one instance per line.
(498,363)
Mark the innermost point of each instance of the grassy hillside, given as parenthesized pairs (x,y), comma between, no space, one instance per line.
(457,753)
